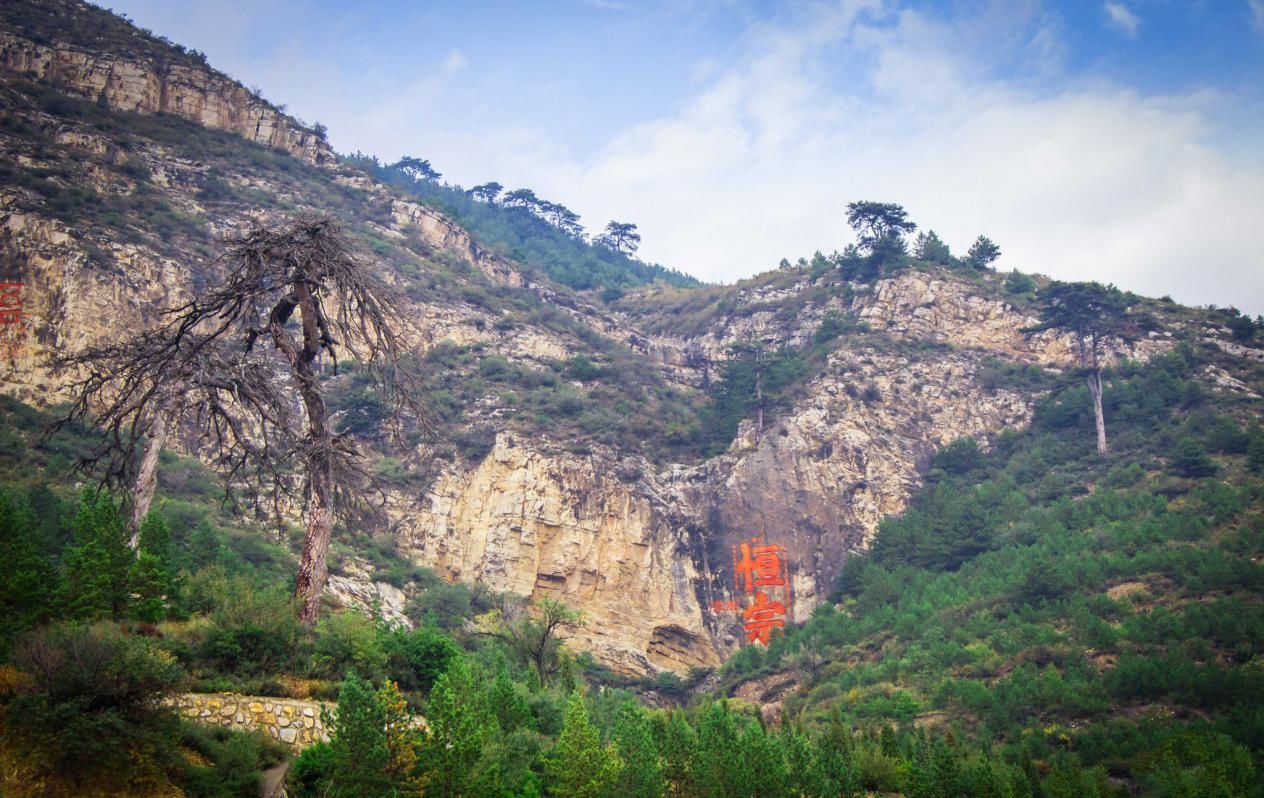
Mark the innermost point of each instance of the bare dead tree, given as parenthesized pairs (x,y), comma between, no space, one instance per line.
(260,416)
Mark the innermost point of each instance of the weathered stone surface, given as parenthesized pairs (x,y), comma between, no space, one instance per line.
(202,95)
(271,716)
(566,527)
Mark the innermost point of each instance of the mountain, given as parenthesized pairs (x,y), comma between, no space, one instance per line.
(860,497)
(580,456)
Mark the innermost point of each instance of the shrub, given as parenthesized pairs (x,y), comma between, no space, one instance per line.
(474,443)
(446,605)
(1018,283)
(348,641)
(310,775)
(416,659)
(1190,459)
(90,712)
(247,649)
(960,457)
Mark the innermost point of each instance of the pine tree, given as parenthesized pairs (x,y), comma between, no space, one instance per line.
(1190,459)
(150,583)
(986,782)
(719,759)
(508,702)
(930,247)
(1255,450)
(947,772)
(27,580)
(458,725)
(982,253)
(401,742)
(97,566)
(358,739)
(887,742)
(836,759)
(579,765)
(150,575)
(803,763)
(678,744)
(642,775)
(155,538)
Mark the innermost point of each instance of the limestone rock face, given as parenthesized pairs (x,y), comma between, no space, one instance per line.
(67,303)
(646,559)
(819,479)
(202,95)
(917,305)
(566,527)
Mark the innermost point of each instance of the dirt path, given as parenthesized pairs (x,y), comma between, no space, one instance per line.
(274,780)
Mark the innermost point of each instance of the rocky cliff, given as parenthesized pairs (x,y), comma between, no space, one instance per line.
(62,46)
(107,216)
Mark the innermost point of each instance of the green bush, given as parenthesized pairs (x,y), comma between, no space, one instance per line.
(414,660)
(347,642)
(91,713)
(1189,459)
(312,771)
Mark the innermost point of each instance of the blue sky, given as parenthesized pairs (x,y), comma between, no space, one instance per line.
(1117,141)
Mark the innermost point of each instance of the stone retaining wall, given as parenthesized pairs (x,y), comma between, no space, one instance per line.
(295,723)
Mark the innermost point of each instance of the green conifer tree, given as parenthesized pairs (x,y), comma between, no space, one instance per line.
(27,581)
(150,584)
(509,701)
(718,763)
(579,765)
(642,774)
(98,564)
(678,744)
(1190,459)
(1255,450)
(837,760)
(458,726)
(358,741)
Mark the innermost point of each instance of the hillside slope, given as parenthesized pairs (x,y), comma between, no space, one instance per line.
(581,454)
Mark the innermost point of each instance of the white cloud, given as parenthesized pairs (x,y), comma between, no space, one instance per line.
(1093,182)
(1121,17)
(1255,8)
(852,101)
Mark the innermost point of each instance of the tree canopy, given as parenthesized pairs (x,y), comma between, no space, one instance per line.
(983,253)
(878,224)
(620,236)
(417,168)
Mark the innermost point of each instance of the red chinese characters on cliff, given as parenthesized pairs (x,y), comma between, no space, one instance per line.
(760,573)
(11,330)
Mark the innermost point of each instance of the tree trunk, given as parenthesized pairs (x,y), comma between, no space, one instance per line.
(1094,380)
(147,477)
(309,582)
(313,568)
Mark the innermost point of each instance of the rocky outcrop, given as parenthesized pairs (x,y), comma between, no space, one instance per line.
(933,305)
(68,302)
(818,480)
(648,557)
(567,527)
(199,94)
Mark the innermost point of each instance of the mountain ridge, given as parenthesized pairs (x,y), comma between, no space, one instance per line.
(574,462)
